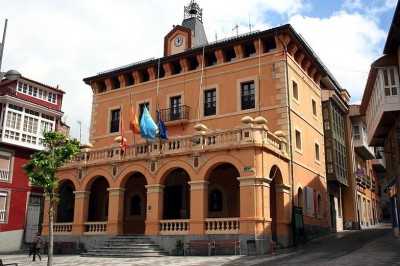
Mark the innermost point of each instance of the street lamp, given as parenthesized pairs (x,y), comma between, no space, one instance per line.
(10,74)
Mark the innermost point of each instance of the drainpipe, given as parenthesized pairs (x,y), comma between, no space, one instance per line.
(290,126)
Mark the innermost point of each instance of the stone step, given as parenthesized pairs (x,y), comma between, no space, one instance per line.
(125,255)
(127,246)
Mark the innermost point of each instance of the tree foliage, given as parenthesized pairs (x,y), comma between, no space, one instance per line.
(43,165)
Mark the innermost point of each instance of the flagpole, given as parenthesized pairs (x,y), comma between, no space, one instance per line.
(201,85)
(121,122)
(133,131)
(158,103)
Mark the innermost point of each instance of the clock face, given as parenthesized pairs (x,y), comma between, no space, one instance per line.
(178,41)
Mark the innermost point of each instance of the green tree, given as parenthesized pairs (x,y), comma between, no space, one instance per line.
(42,167)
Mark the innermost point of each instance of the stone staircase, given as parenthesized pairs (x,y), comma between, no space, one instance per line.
(126,246)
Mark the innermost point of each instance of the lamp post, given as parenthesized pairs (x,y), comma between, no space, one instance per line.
(10,74)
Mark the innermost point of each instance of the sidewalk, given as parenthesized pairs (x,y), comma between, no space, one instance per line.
(64,260)
(71,260)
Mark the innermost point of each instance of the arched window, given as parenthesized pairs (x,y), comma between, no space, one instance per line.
(215,201)
(300,197)
(136,203)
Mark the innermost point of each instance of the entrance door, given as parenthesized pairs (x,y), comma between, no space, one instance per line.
(172,202)
(32,222)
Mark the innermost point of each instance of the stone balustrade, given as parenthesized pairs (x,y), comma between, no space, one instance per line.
(62,228)
(222,225)
(174,227)
(95,228)
(182,144)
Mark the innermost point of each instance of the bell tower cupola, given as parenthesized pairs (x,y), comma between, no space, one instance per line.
(188,35)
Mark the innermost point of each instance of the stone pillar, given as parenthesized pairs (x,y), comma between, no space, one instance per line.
(198,206)
(283,209)
(252,208)
(115,211)
(80,212)
(155,194)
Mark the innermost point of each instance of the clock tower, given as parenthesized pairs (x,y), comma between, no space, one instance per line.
(188,35)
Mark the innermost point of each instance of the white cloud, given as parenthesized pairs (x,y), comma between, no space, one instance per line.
(346,43)
(62,42)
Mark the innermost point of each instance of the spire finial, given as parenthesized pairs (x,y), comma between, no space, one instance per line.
(193,11)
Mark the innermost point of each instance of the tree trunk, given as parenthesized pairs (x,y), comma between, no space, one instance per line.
(50,250)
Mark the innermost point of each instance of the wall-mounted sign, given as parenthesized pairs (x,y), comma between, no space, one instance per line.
(360,172)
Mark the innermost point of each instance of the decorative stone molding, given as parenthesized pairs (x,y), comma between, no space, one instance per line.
(115,169)
(81,173)
(198,185)
(196,160)
(116,191)
(81,194)
(155,188)
(154,164)
(283,188)
(253,181)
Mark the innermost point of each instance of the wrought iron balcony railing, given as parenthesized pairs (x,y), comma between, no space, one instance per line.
(175,113)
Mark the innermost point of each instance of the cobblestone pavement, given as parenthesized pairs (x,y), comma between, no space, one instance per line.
(63,260)
(323,251)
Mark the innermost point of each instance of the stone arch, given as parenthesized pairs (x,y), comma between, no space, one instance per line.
(223,177)
(176,194)
(131,169)
(300,197)
(135,201)
(92,177)
(98,199)
(66,204)
(276,199)
(213,162)
(167,168)
(65,177)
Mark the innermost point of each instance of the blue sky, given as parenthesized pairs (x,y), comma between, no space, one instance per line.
(61,42)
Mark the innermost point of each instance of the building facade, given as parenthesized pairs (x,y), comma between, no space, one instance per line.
(362,206)
(245,147)
(27,108)
(381,105)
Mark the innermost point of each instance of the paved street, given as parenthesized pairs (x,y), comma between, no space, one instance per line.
(374,246)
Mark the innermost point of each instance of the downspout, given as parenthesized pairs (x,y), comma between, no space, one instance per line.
(290,127)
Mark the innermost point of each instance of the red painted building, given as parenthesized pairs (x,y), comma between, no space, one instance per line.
(27,108)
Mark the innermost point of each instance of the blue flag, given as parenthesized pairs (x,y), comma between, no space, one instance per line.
(162,129)
(147,126)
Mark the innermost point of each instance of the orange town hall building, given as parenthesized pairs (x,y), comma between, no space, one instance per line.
(245,147)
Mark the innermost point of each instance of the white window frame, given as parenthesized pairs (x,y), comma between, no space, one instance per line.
(4,209)
(6,174)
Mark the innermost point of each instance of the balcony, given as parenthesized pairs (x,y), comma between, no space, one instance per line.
(362,148)
(379,165)
(175,115)
(382,115)
(205,141)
